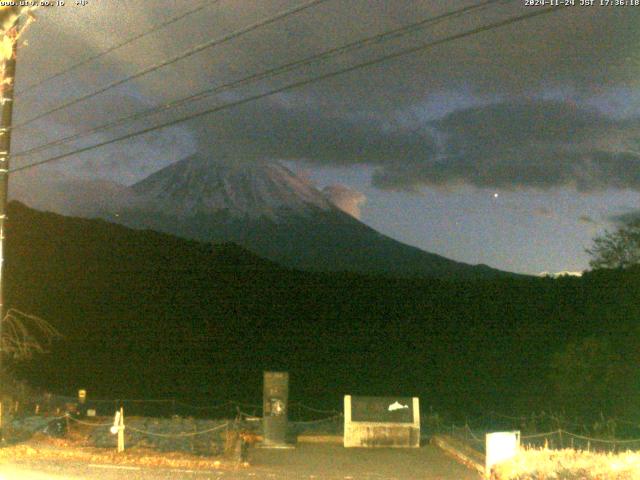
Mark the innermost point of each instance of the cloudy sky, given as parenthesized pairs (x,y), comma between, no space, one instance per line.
(512,147)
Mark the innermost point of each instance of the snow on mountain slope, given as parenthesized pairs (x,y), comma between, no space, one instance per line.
(196,185)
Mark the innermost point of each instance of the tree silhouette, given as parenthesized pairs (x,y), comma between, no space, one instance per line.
(618,249)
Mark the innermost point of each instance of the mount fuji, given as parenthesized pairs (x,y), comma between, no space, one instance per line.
(242,190)
(266,208)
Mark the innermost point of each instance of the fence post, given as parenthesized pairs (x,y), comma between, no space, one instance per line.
(121,431)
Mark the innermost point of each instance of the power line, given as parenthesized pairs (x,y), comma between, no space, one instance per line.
(301,83)
(31,88)
(397,32)
(188,53)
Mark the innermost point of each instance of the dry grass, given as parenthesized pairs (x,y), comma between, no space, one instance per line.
(44,448)
(539,464)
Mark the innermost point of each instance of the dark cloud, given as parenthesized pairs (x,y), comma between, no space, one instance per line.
(527,145)
(267,129)
(382,116)
(588,49)
(506,145)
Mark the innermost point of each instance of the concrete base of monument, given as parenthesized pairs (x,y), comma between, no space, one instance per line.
(274,445)
(331,439)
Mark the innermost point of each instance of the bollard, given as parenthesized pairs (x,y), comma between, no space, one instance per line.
(118,428)
(121,431)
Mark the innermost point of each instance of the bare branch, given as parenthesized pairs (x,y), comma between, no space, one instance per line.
(24,334)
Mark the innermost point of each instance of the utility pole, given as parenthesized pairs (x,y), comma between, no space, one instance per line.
(9,19)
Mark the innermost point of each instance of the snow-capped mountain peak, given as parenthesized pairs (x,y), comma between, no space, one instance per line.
(250,189)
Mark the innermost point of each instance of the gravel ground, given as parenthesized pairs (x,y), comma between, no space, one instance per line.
(313,462)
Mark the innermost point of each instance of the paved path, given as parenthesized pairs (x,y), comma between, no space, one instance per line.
(312,462)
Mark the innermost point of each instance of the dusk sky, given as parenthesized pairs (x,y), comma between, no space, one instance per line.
(512,147)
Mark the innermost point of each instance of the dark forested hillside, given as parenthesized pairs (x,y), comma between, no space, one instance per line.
(146,315)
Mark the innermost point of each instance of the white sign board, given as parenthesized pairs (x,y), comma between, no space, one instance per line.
(501,446)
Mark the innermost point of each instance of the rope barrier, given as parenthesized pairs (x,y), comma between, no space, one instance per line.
(311,409)
(177,435)
(245,415)
(600,440)
(206,407)
(173,401)
(115,400)
(473,435)
(142,400)
(571,434)
(228,403)
(539,435)
(489,417)
(310,422)
(478,418)
(87,423)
